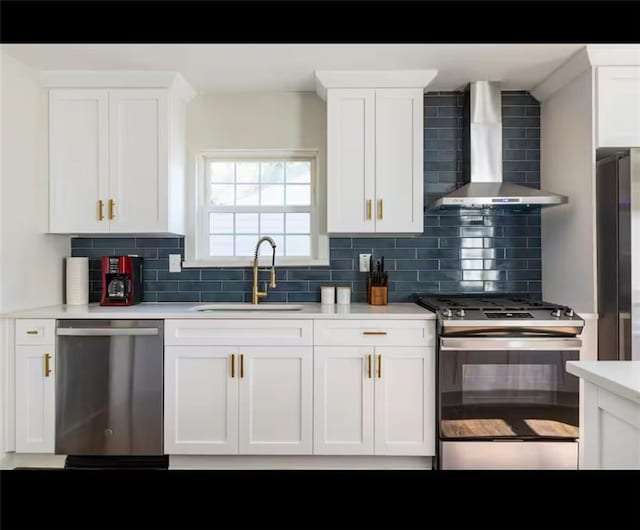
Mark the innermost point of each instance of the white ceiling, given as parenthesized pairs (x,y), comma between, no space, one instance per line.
(290,67)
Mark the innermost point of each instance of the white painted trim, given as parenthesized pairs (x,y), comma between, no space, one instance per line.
(13,460)
(195,248)
(181,88)
(590,56)
(8,363)
(264,261)
(118,79)
(299,462)
(563,75)
(614,54)
(325,79)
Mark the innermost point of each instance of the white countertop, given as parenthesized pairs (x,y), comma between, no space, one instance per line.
(400,311)
(619,377)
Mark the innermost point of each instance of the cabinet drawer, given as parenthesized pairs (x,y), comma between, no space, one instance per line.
(238,332)
(374,332)
(35,331)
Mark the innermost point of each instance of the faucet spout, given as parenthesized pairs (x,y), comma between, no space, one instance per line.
(256,294)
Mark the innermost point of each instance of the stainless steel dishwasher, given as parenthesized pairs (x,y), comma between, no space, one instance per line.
(109,387)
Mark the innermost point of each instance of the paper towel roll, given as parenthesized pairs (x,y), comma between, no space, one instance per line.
(77,281)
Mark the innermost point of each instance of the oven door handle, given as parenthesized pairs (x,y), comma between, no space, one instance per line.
(509,343)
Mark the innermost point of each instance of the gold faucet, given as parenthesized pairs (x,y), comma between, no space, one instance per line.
(256,294)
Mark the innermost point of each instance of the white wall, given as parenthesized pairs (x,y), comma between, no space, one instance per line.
(270,120)
(568,167)
(31,263)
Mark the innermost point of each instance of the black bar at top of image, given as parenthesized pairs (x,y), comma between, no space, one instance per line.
(333,21)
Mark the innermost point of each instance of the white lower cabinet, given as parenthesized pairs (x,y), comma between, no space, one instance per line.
(405,401)
(230,400)
(374,400)
(35,399)
(343,400)
(200,401)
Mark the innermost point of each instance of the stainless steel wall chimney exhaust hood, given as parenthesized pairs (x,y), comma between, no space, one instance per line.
(482,158)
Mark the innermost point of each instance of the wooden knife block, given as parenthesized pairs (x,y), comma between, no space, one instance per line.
(377,295)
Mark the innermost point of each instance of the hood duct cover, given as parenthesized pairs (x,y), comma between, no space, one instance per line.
(482,158)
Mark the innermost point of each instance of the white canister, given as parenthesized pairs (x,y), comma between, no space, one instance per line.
(343,295)
(77,280)
(328,294)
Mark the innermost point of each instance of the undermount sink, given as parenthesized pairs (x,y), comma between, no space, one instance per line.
(247,307)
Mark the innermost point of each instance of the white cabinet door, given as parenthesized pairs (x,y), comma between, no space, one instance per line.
(78,161)
(276,390)
(139,160)
(404,401)
(350,160)
(35,399)
(343,400)
(399,171)
(200,400)
(618,113)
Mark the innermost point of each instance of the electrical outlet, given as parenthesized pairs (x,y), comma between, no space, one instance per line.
(175,264)
(364,262)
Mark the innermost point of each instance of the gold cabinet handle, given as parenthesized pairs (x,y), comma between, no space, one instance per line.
(379,208)
(233,365)
(32,332)
(369,365)
(374,332)
(379,366)
(241,365)
(100,210)
(369,210)
(47,369)
(112,206)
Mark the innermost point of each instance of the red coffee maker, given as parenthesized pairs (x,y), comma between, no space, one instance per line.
(121,280)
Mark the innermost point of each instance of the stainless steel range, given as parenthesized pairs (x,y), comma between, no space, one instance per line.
(504,397)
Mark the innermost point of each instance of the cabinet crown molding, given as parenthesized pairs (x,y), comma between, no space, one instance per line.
(173,81)
(591,56)
(372,79)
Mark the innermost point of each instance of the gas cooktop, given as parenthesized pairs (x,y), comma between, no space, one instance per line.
(484,303)
(500,314)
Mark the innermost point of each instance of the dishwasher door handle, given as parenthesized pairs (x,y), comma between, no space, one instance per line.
(106,332)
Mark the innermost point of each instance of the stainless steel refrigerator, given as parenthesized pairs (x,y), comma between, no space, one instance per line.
(618,243)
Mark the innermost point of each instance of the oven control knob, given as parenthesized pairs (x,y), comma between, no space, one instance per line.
(460,312)
(446,313)
(569,312)
(556,313)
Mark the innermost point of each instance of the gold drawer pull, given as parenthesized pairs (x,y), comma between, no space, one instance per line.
(379,366)
(369,209)
(47,369)
(369,365)
(32,332)
(380,209)
(112,205)
(374,332)
(100,210)
(241,365)
(233,365)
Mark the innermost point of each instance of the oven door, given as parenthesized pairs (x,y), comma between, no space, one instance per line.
(507,388)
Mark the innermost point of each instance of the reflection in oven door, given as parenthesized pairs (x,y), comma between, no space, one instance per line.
(507,394)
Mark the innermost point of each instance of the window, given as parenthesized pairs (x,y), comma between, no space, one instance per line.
(247,195)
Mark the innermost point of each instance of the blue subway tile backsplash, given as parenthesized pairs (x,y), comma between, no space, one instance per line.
(464,251)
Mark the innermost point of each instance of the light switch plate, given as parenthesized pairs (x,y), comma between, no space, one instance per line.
(175,263)
(364,262)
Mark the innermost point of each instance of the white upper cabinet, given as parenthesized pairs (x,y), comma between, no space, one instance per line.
(78,160)
(374,150)
(116,156)
(618,106)
(138,160)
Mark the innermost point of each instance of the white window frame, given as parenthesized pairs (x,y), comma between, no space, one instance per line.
(200,243)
